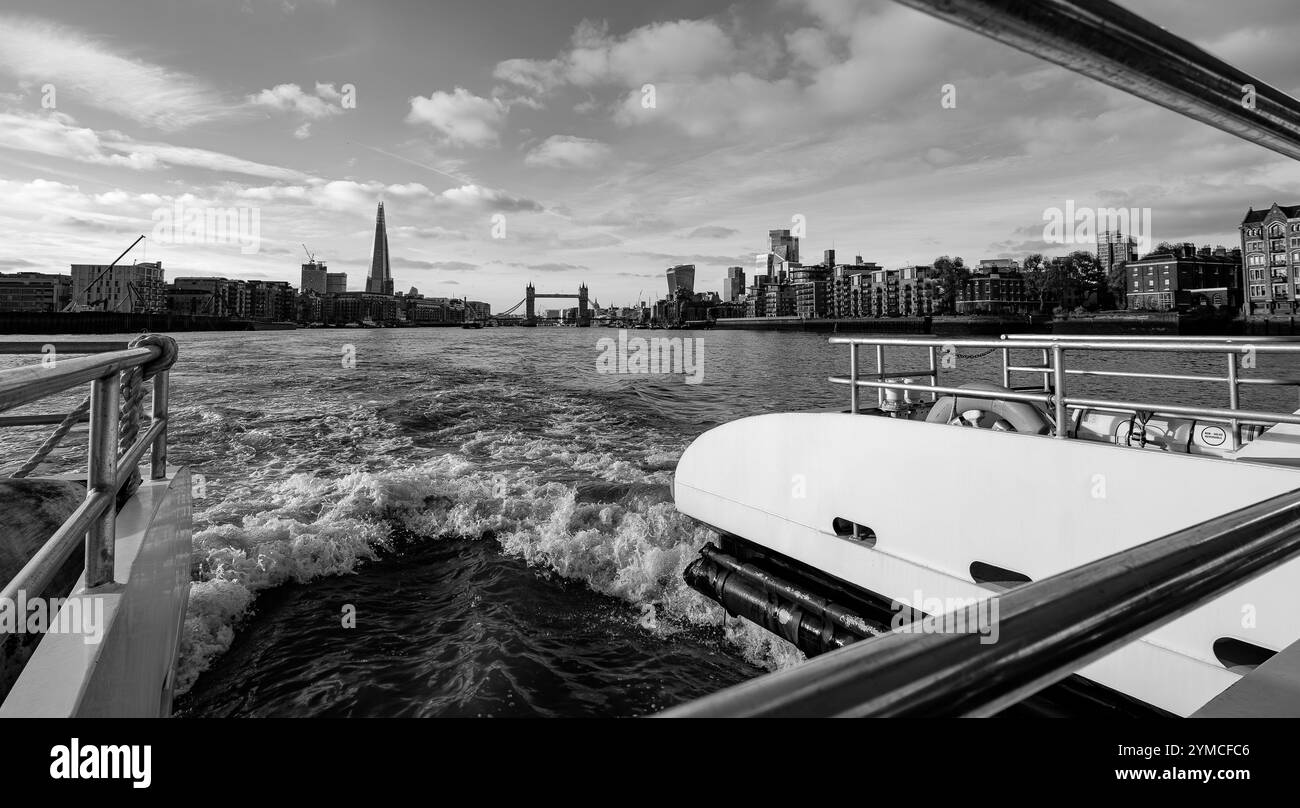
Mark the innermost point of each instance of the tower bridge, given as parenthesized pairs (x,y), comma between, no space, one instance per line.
(530,307)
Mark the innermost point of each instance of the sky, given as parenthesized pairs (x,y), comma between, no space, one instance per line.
(572,141)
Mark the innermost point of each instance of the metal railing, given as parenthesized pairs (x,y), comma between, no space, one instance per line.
(1046,630)
(1054,396)
(116,373)
(1111,44)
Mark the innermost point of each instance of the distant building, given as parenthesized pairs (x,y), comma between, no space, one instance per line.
(135,288)
(1183,277)
(904,292)
(783,245)
(219,297)
(1114,247)
(272,301)
(336,282)
(314,278)
(380,280)
(477,310)
(781,300)
(733,285)
(847,286)
(359,307)
(811,291)
(988,265)
(997,287)
(1270,249)
(681,278)
(34,291)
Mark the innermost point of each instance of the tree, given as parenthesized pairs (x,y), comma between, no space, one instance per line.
(1055,280)
(1117,283)
(950,276)
(1034,279)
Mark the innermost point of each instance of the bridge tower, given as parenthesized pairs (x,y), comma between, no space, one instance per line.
(530,314)
(584,316)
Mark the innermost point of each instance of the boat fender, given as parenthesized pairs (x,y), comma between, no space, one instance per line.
(1007,416)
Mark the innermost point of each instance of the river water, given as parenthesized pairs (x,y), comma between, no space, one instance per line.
(424,522)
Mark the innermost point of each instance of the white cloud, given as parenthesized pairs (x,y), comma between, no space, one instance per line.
(476,196)
(81,68)
(567,151)
(303,132)
(464,119)
(58,135)
(291,98)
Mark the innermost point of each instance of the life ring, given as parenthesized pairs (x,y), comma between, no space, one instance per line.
(989,413)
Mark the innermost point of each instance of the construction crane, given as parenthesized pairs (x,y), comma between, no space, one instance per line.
(311,258)
(73,305)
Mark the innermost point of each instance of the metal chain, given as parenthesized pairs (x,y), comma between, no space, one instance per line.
(976,355)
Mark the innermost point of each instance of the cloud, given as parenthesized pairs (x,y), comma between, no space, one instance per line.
(58,135)
(551,267)
(463,119)
(661,51)
(567,151)
(303,132)
(291,98)
(477,196)
(713,231)
(445,266)
(83,69)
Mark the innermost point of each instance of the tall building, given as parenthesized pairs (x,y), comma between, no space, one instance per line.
(134,288)
(1270,254)
(1114,247)
(681,278)
(784,245)
(380,281)
(733,286)
(336,283)
(34,291)
(314,277)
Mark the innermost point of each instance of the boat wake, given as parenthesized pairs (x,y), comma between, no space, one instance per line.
(614,529)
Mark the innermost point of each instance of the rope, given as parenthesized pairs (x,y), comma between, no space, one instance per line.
(53,440)
(132,403)
(976,355)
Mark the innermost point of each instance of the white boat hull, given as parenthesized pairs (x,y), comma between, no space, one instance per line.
(940,499)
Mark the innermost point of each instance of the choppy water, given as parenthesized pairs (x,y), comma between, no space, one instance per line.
(492,515)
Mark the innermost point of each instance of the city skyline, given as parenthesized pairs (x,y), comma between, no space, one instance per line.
(761,113)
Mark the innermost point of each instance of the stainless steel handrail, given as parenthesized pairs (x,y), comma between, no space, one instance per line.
(109,467)
(1054,374)
(1099,39)
(1046,630)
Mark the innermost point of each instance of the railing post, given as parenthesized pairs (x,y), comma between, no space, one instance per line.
(934,371)
(1234,398)
(1058,381)
(105,398)
(1006,363)
(1046,383)
(853,376)
(880,375)
(158,454)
